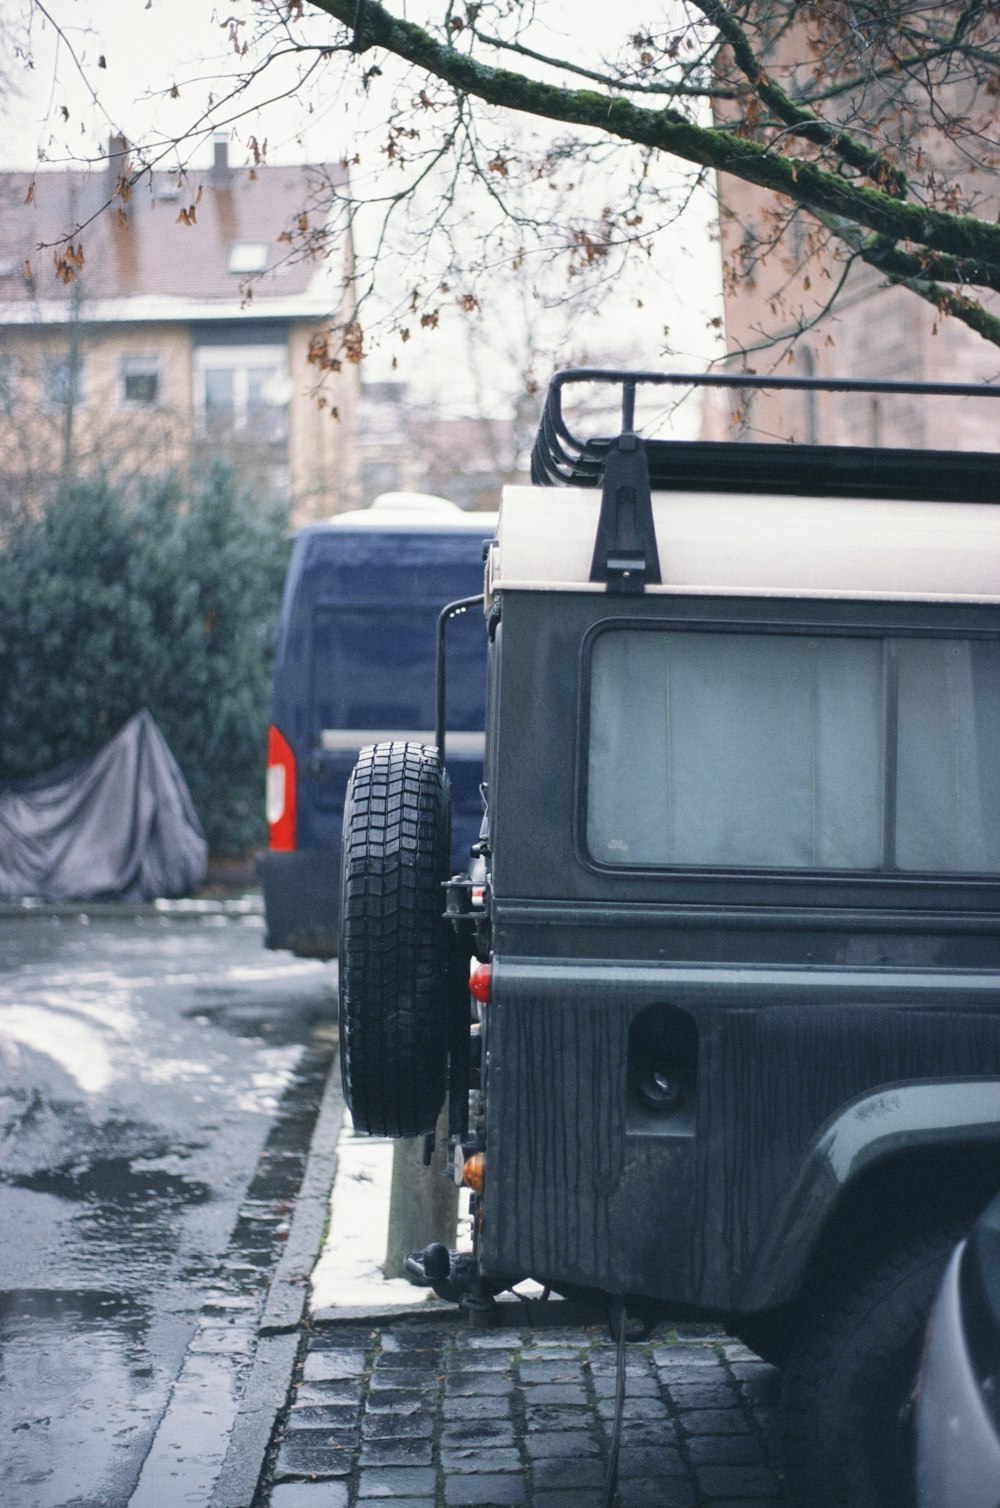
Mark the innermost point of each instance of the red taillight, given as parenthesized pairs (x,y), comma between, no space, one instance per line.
(479,982)
(280,796)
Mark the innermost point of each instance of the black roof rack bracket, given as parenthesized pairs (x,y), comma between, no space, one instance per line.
(625,552)
(563,458)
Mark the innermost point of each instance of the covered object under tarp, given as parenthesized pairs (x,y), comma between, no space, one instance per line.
(119,826)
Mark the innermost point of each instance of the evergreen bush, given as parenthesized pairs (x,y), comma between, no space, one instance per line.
(167,602)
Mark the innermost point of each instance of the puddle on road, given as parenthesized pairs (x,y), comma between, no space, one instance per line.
(83,1361)
(269,1018)
(112,1201)
(116,1181)
(52,1146)
(85,1377)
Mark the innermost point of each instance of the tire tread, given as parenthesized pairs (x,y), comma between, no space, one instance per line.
(392,1001)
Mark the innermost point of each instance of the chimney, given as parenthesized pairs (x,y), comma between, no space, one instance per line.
(220,162)
(119,164)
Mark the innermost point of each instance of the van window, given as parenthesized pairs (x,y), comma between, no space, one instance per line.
(793,751)
(373,669)
(370,667)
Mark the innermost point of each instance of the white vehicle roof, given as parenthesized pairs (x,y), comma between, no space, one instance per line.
(414,510)
(731,544)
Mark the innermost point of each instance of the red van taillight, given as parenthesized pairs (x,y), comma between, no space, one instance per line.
(280,795)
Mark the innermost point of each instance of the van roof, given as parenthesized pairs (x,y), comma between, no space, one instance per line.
(413,510)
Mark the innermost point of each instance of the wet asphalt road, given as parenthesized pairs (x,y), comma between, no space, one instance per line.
(159,1082)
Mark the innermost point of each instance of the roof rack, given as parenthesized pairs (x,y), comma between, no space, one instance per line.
(627,466)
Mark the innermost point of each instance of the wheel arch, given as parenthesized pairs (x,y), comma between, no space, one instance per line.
(887,1160)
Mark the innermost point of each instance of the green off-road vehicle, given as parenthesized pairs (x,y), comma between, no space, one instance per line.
(734,919)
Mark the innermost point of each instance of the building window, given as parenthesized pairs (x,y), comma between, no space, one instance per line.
(8,384)
(248,256)
(62,381)
(243,391)
(139,381)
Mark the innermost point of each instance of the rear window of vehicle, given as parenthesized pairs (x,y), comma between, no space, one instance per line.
(374,667)
(793,751)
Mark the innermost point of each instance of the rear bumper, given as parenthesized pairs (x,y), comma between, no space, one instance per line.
(301,901)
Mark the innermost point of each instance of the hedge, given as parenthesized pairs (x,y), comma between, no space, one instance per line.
(109,604)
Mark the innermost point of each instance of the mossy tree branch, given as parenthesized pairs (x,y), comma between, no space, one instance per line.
(870,129)
(974,243)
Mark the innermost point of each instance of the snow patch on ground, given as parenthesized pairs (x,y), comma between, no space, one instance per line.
(349,1273)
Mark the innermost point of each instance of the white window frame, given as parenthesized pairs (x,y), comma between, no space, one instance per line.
(9,377)
(50,365)
(141,364)
(242,361)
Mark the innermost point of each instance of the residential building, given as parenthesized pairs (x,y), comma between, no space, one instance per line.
(787,311)
(873,331)
(169,325)
(408,445)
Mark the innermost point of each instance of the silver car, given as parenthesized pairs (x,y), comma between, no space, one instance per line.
(958,1409)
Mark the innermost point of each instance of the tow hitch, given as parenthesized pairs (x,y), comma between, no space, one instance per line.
(452,1274)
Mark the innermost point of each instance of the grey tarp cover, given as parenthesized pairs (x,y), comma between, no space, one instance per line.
(120,825)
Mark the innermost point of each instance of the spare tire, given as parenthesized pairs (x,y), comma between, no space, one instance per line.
(393,997)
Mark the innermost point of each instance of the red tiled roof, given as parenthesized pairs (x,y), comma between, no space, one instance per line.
(147,250)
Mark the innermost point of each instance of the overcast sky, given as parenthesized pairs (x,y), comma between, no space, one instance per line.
(149,45)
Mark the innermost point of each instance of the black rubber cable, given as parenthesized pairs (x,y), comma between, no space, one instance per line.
(618,1322)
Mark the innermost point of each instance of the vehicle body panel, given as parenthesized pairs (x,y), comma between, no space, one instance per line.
(792,1005)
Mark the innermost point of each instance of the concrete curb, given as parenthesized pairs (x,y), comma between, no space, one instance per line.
(380,1314)
(281,1332)
(30,909)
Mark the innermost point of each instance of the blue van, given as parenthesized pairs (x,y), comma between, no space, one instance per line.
(355,665)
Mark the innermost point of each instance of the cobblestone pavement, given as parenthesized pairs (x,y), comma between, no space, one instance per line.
(428,1413)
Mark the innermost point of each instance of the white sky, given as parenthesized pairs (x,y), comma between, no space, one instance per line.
(150,45)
